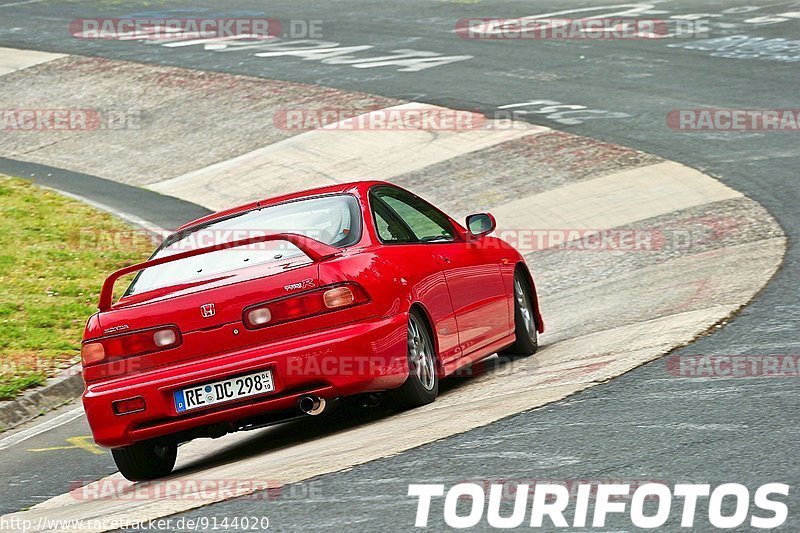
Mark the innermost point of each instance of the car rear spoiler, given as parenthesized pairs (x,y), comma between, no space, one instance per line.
(314,249)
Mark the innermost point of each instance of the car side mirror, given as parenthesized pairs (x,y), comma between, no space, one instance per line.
(481,224)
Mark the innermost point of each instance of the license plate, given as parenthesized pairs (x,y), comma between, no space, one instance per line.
(224,391)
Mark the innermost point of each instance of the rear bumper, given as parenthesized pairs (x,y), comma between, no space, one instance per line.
(356,358)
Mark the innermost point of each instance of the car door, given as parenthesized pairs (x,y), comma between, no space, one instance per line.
(477,293)
(422,270)
(480,298)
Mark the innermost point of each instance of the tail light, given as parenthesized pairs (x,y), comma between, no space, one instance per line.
(91,353)
(305,305)
(338,297)
(130,344)
(131,405)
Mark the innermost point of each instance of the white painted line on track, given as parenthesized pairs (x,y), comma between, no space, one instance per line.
(25,2)
(42,427)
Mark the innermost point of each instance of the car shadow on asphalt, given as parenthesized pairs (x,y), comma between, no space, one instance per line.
(344,416)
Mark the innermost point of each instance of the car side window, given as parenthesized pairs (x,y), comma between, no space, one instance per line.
(390,230)
(426,222)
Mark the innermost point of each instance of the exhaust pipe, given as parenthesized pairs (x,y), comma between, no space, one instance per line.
(311,405)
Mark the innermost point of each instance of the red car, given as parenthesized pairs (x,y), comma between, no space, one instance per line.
(274,309)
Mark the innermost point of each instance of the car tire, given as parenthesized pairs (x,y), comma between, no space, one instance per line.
(146,460)
(422,385)
(527,340)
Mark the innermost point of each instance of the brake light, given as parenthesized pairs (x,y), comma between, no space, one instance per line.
(130,344)
(304,305)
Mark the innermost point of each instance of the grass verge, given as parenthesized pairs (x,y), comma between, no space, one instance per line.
(55,253)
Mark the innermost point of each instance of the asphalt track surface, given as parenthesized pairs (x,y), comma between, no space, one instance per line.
(644,425)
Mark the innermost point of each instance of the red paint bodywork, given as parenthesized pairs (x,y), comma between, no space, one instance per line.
(464,288)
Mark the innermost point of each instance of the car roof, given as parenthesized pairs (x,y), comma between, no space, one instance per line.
(353,187)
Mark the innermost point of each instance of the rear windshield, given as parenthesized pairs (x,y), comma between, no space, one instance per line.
(333,220)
